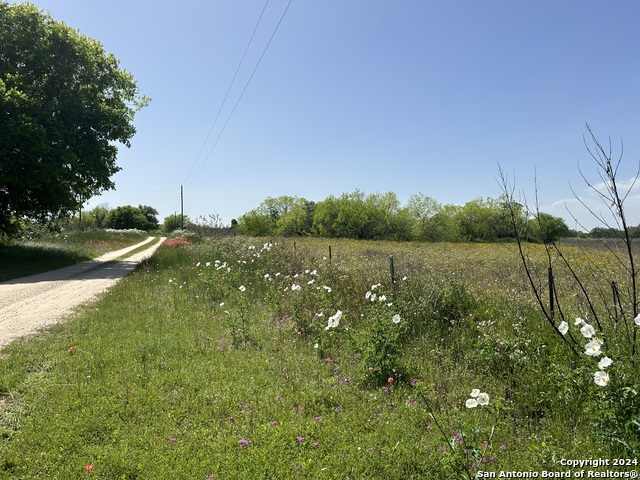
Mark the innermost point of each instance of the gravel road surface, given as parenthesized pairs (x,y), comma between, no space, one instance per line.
(30,303)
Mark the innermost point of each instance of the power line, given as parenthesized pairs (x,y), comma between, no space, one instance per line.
(224,100)
(241,93)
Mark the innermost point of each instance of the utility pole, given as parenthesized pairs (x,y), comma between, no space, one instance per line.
(181,209)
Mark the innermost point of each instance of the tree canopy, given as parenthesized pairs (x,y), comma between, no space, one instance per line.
(64,102)
(382,217)
(143,217)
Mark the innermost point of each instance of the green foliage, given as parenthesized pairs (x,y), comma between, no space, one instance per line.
(128,217)
(258,223)
(298,220)
(66,102)
(606,232)
(546,228)
(382,217)
(151,215)
(438,308)
(175,222)
(97,216)
(383,343)
(616,418)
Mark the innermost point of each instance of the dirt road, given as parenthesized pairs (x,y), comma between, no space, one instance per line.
(30,303)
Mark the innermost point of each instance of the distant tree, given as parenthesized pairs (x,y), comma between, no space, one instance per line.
(422,211)
(175,222)
(546,228)
(97,216)
(478,220)
(606,232)
(126,217)
(64,103)
(445,226)
(298,220)
(259,222)
(325,217)
(151,214)
(386,219)
(354,218)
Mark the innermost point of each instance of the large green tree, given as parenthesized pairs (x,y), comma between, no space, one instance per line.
(126,217)
(64,103)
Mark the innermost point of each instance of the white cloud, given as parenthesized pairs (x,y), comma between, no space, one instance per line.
(623,186)
(590,209)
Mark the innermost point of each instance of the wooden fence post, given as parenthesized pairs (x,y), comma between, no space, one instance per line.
(392,270)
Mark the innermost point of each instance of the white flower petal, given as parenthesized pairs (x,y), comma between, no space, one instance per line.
(471,403)
(587,331)
(563,328)
(592,349)
(601,378)
(604,363)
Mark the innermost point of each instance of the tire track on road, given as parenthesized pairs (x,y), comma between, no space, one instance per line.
(30,303)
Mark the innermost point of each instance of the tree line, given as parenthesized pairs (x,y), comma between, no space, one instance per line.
(142,217)
(381,216)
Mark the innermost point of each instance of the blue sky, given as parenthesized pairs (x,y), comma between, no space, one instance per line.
(408,96)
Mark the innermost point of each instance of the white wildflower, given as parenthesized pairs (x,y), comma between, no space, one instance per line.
(471,403)
(396,318)
(334,320)
(604,363)
(601,378)
(592,349)
(483,399)
(563,328)
(587,330)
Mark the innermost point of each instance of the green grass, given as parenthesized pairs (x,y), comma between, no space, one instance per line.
(46,253)
(178,372)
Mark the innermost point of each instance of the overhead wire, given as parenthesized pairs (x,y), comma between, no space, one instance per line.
(224,100)
(241,94)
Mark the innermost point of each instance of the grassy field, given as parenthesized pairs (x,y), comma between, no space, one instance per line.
(60,250)
(236,358)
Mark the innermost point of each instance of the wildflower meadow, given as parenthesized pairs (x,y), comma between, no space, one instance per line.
(235,357)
